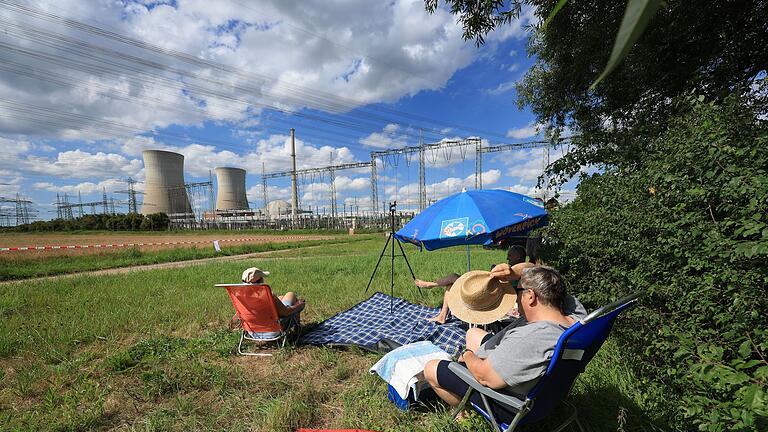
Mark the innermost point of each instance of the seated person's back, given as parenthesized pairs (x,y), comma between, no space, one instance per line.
(286,304)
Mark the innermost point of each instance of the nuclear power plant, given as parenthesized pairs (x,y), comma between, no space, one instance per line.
(194,205)
(165,191)
(230,193)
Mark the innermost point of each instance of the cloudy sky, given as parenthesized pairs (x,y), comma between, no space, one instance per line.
(85,86)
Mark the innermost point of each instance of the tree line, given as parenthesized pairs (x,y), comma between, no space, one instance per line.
(100,222)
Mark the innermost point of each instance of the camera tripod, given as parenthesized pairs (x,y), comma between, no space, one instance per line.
(392,238)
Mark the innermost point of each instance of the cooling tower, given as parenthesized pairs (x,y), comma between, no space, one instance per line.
(165,191)
(230,193)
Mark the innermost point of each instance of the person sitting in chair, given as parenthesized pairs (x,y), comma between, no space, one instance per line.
(513,360)
(286,304)
(515,255)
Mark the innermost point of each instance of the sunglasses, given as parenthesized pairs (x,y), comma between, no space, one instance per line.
(519,290)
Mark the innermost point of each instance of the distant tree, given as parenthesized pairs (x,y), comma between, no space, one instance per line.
(155,222)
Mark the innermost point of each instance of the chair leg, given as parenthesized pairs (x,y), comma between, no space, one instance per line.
(571,418)
(463,403)
(519,416)
(488,409)
(241,352)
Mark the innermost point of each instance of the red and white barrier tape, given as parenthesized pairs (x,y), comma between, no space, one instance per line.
(105,245)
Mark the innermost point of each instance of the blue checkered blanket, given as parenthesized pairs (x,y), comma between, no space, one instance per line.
(370,322)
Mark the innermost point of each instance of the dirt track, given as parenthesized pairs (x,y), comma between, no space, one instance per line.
(141,241)
(148,267)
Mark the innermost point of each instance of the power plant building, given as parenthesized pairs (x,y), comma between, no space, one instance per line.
(230,192)
(165,191)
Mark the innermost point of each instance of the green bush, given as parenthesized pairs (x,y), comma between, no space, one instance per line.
(688,225)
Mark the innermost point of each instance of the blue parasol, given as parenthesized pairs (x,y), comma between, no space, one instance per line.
(474,217)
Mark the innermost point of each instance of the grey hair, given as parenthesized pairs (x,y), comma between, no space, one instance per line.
(547,283)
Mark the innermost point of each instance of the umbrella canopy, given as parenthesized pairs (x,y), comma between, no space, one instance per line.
(474,217)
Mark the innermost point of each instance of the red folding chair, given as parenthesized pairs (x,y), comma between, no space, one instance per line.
(258,316)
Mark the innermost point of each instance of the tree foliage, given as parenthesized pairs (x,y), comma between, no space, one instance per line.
(690,228)
(679,206)
(118,222)
(710,48)
(478,18)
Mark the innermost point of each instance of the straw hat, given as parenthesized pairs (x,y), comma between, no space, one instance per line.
(253,274)
(478,298)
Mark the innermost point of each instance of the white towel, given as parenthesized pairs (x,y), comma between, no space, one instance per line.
(403,368)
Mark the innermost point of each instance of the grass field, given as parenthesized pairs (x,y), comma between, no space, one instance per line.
(151,351)
(20,266)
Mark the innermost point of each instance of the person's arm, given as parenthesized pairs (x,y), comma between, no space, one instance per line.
(502,272)
(482,371)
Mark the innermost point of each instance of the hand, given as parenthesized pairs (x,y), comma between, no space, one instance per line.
(502,272)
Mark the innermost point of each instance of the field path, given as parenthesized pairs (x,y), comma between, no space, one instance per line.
(148,267)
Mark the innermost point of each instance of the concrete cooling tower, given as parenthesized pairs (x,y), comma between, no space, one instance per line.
(230,193)
(165,191)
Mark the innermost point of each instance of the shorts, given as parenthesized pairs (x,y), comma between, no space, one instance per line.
(449,381)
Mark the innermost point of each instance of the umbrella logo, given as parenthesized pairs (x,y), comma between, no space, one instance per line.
(477,228)
(453,227)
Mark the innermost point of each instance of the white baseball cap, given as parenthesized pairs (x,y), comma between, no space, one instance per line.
(253,274)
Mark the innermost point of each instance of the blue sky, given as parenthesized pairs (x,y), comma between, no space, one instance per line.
(78,106)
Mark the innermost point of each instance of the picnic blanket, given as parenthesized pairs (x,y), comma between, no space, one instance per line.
(370,325)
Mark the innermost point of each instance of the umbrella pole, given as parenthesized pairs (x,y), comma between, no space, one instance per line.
(469,266)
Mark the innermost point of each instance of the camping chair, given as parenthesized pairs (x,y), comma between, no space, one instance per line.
(258,315)
(575,348)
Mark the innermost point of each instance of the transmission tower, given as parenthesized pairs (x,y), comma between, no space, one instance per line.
(422,174)
(67,208)
(133,205)
(374,187)
(264,190)
(24,211)
(80,204)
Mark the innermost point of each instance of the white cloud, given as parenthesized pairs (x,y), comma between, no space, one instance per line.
(85,188)
(518,28)
(385,139)
(75,164)
(438,190)
(502,88)
(530,130)
(357,53)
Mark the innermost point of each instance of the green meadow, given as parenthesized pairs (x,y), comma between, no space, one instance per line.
(151,351)
(15,266)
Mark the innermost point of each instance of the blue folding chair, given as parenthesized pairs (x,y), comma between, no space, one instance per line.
(573,351)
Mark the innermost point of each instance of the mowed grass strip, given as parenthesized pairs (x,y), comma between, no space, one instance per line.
(22,266)
(151,351)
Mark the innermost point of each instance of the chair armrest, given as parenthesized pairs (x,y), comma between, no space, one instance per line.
(465,375)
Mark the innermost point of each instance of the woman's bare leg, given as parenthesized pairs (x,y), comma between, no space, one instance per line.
(441,317)
(424,284)
(290,297)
